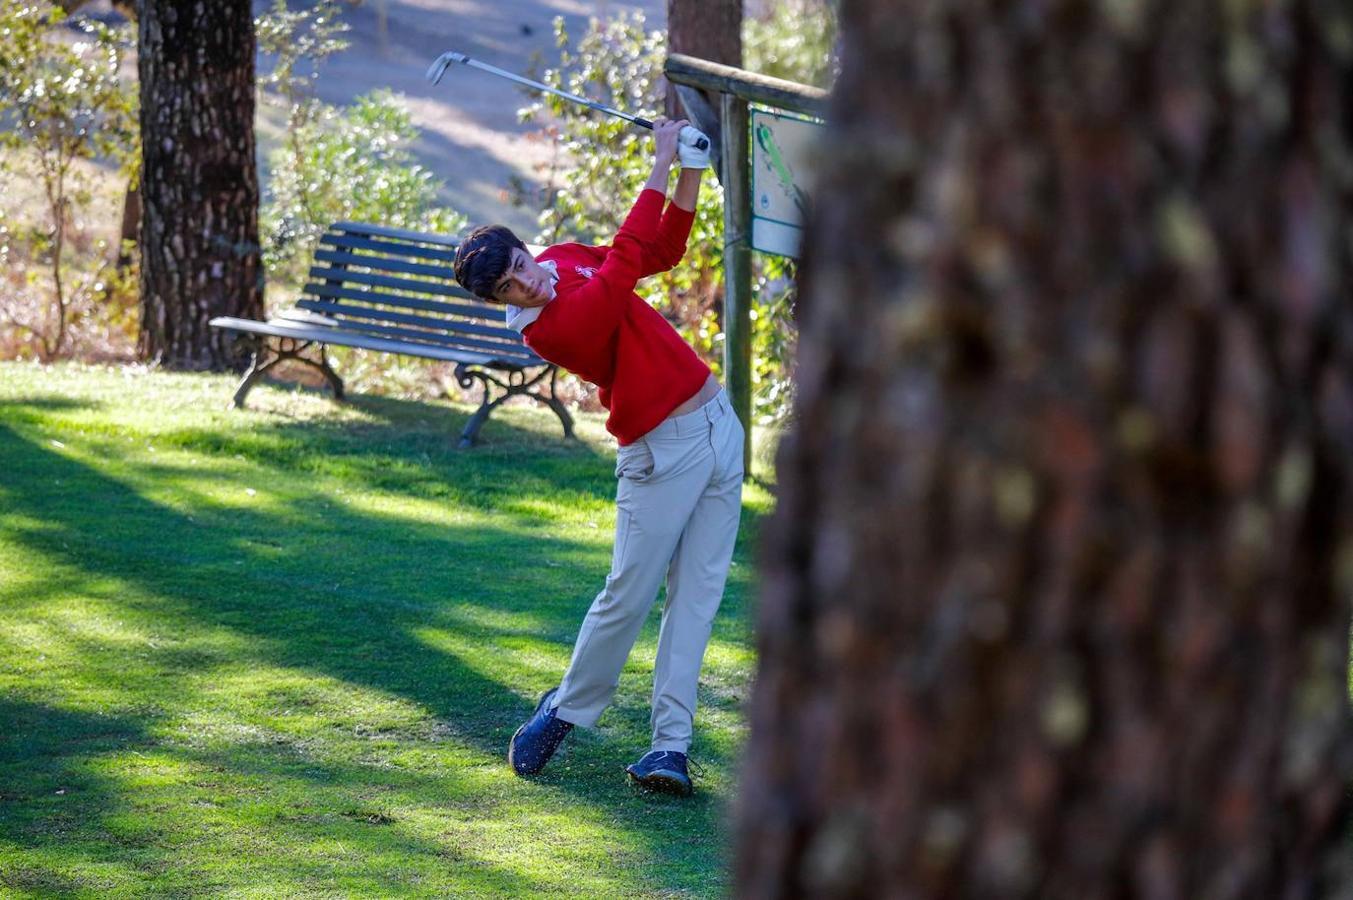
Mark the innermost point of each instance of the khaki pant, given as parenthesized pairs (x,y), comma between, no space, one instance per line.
(677,507)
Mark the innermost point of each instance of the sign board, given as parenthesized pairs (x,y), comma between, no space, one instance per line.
(780,186)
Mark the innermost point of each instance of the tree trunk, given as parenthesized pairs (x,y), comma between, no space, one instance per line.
(709,29)
(199,187)
(1056,593)
(131,225)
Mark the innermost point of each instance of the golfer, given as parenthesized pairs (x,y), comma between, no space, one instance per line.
(679,464)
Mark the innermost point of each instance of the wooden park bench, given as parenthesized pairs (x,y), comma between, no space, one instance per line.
(392,290)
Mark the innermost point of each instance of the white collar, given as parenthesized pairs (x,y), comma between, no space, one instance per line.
(518,318)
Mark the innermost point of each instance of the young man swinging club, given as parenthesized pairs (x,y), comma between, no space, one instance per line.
(679,465)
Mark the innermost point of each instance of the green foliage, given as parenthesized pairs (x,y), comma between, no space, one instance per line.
(605,163)
(64,99)
(335,163)
(774,337)
(793,39)
(62,102)
(300,39)
(347,164)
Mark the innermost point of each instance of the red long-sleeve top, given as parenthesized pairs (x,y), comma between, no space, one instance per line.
(599,329)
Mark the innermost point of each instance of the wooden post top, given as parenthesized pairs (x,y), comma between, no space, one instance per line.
(777,92)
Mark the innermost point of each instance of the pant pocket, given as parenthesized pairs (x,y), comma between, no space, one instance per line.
(730,462)
(635,462)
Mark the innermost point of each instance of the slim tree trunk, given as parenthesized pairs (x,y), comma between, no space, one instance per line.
(199,187)
(1056,595)
(56,202)
(131,225)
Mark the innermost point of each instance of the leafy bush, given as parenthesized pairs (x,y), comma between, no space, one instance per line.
(347,164)
(793,39)
(335,163)
(63,104)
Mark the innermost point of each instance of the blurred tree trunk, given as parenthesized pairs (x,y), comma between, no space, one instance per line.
(199,186)
(709,29)
(1056,594)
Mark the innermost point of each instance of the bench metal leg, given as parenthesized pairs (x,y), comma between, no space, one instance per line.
(266,356)
(553,402)
(516,384)
(258,365)
(470,435)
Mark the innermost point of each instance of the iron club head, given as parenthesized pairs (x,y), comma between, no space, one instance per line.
(439,65)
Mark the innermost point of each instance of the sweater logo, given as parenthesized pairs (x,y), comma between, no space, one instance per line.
(585,271)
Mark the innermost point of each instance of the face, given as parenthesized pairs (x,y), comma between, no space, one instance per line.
(526,283)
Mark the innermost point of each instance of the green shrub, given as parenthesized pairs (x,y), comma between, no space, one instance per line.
(62,104)
(334,163)
(348,164)
(793,39)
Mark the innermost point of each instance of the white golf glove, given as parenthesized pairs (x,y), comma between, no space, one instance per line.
(691,156)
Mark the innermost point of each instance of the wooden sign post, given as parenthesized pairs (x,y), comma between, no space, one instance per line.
(736,89)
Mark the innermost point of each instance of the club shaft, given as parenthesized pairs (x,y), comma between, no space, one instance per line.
(599,107)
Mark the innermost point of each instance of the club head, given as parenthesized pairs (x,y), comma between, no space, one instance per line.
(440,64)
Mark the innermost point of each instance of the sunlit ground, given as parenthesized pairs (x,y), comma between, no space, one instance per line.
(280,652)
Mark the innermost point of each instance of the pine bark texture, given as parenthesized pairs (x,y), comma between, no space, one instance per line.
(708,29)
(1056,596)
(199,185)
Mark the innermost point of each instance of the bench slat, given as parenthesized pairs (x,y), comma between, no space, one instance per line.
(353,242)
(359,317)
(398,233)
(498,352)
(342,338)
(331,307)
(384,264)
(463,310)
(403,284)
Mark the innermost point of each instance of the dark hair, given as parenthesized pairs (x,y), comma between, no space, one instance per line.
(483,257)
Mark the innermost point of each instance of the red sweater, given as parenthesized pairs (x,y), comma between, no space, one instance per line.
(599,329)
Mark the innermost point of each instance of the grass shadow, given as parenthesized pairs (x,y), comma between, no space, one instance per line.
(332,603)
(411,446)
(63,782)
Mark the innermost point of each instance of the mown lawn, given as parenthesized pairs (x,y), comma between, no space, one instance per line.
(279,653)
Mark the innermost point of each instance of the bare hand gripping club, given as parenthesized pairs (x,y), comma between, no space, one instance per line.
(690,136)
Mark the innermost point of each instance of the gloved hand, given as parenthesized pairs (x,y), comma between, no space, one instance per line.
(690,155)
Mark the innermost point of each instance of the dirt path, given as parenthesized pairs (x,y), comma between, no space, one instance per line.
(471,138)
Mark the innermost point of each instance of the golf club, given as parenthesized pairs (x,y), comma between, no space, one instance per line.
(689,135)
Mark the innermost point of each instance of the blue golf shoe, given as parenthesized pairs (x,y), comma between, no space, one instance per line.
(662,770)
(537,739)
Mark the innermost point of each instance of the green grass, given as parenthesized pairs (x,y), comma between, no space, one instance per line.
(279,652)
